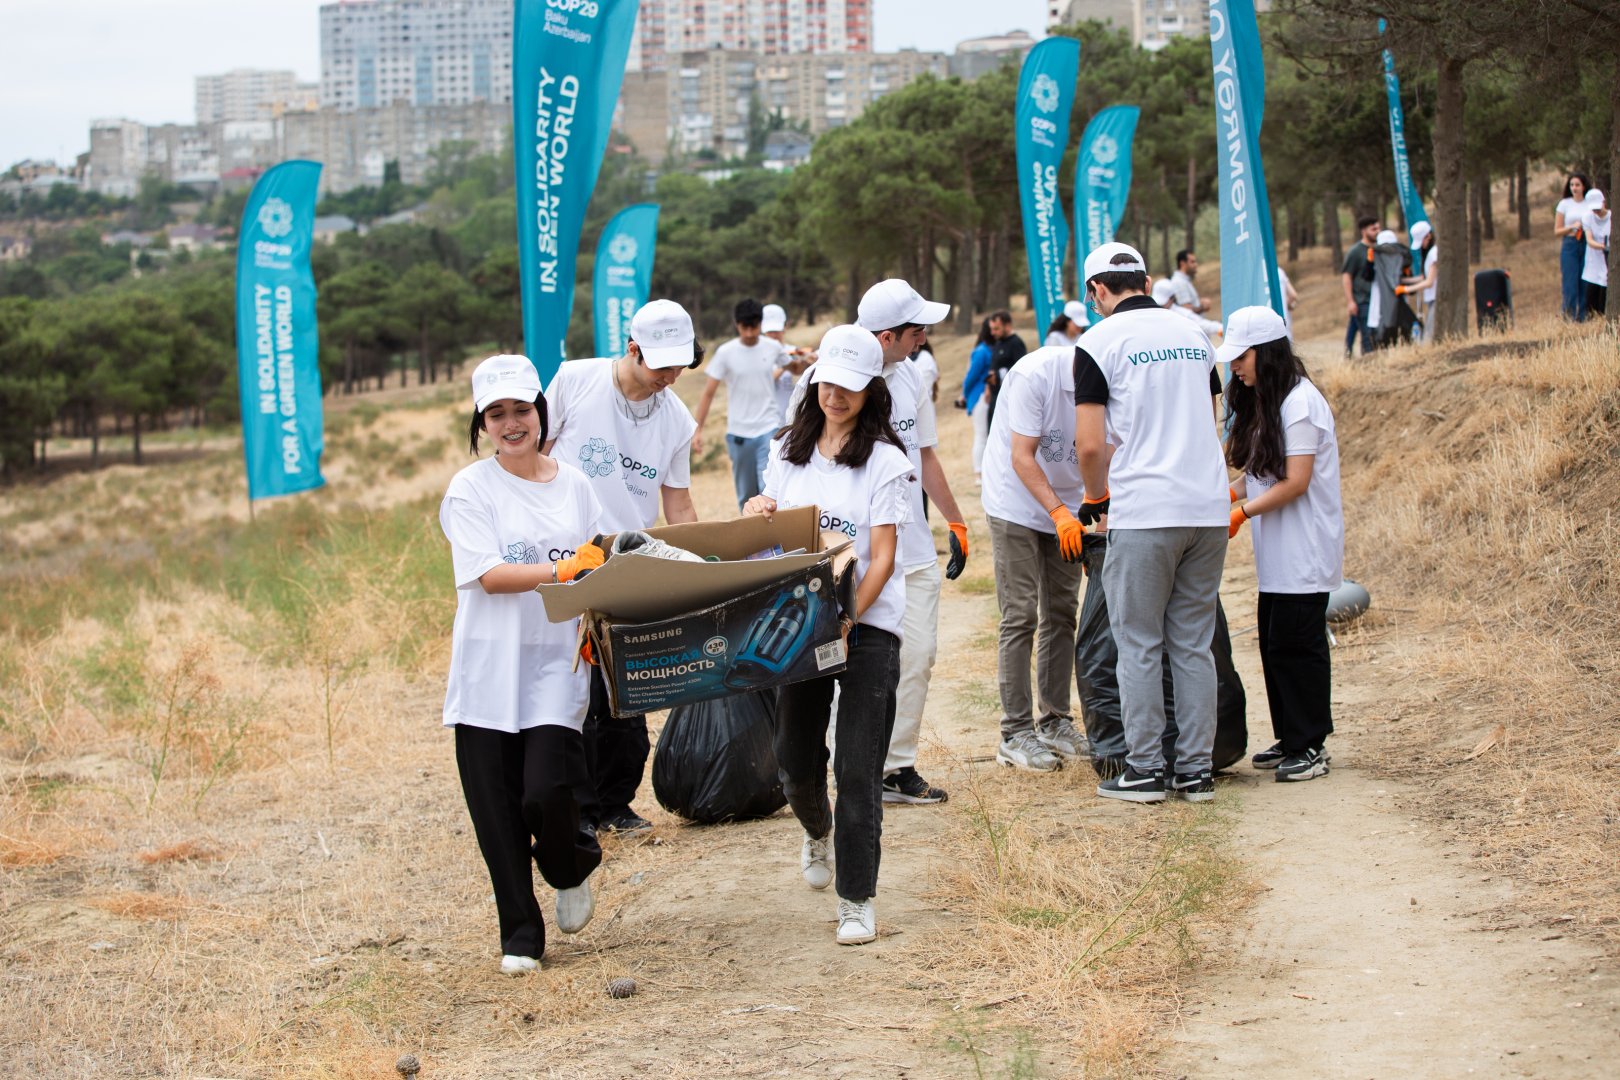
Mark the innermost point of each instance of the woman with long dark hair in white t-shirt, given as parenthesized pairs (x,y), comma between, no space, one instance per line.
(516,521)
(1283,443)
(840,454)
(1572,250)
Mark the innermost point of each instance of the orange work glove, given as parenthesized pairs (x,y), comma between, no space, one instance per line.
(959,550)
(588,651)
(585,558)
(1400,290)
(1069,533)
(1092,510)
(1232,495)
(1239,516)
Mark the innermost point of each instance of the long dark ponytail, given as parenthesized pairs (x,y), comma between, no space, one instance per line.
(872,426)
(1255,445)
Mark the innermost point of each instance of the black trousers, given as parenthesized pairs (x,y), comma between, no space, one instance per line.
(616,751)
(1299,677)
(865,720)
(1597,298)
(523,793)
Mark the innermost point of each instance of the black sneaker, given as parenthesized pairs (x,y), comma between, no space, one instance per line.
(1306,765)
(1107,768)
(625,823)
(907,786)
(1133,786)
(1194,787)
(1269,759)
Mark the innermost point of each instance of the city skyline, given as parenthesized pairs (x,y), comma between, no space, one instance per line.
(141,61)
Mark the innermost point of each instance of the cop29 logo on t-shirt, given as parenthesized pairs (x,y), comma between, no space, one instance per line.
(521,551)
(596,458)
(1052,448)
(834,523)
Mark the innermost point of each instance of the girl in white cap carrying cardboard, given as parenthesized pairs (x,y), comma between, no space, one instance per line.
(840,454)
(514,698)
(1283,443)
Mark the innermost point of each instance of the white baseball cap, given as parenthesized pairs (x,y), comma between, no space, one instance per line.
(1101,261)
(504,376)
(1164,291)
(893,303)
(1419,232)
(1075,312)
(1386,237)
(662,330)
(773,320)
(1594,197)
(849,356)
(1247,328)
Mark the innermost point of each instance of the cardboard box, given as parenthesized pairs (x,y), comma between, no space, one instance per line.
(669,632)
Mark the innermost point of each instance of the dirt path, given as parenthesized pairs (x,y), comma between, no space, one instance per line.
(1375,950)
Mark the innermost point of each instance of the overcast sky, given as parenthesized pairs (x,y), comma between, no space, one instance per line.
(68,62)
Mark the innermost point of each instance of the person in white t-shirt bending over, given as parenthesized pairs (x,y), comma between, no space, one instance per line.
(619,422)
(1422,286)
(1597,225)
(1031,492)
(1283,443)
(1164,294)
(514,699)
(1143,384)
(747,365)
(841,454)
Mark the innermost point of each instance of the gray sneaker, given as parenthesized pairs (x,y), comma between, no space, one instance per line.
(1063,738)
(1026,751)
(633,541)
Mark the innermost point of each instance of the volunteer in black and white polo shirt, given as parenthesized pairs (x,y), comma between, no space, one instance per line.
(1031,491)
(1143,384)
(618,422)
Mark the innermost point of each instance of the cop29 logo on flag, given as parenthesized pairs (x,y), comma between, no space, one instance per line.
(1046,86)
(1102,179)
(622,278)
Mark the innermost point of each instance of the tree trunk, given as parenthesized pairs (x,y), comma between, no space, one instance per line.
(1450,317)
(963,272)
(1191,243)
(1475,197)
(1330,228)
(1614,166)
(1000,271)
(1524,199)
(348,367)
(1293,234)
(1513,194)
(135,429)
(95,441)
(981,272)
(852,301)
(1487,221)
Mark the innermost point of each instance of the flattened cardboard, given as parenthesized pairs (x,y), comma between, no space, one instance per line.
(640,588)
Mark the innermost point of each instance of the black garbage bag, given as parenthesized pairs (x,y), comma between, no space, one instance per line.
(1095,656)
(716,760)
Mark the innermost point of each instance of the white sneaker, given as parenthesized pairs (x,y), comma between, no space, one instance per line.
(1062,738)
(639,543)
(575,907)
(815,861)
(857,922)
(1026,751)
(518,965)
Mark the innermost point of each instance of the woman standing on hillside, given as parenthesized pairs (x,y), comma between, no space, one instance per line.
(841,455)
(1423,285)
(515,521)
(1572,255)
(1283,443)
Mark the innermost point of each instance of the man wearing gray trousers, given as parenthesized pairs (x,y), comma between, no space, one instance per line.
(1143,385)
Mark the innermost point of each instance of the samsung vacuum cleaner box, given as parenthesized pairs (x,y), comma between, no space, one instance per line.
(761,610)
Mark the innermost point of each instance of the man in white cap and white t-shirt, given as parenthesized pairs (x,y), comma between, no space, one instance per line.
(1144,385)
(618,422)
(899,317)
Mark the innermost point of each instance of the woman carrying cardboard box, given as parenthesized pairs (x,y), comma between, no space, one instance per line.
(514,698)
(840,454)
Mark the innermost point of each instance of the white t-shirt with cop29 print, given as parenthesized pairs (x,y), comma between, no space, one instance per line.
(1037,400)
(511,668)
(627,460)
(851,502)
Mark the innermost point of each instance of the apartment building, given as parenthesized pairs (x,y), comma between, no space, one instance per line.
(667,28)
(357,146)
(376,53)
(1152,24)
(251,94)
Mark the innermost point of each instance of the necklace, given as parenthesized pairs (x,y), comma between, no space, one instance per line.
(628,408)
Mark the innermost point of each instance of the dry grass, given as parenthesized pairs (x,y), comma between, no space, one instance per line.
(1487,470)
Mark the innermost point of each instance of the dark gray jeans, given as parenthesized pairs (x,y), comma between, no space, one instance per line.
(1039,597)
(1162,585)
(864,722)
